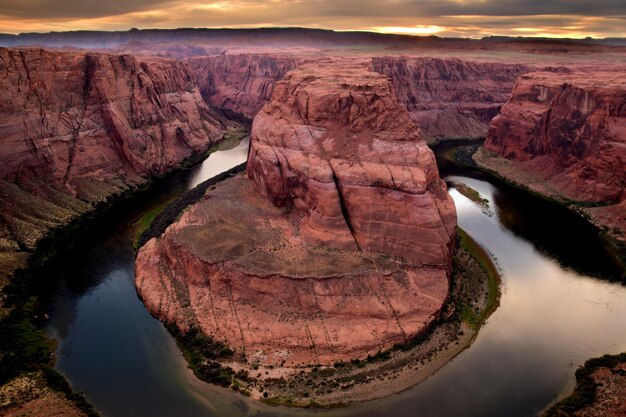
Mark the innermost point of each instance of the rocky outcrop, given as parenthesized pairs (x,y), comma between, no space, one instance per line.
(77,127)
(344,152)
(346,252)
(600,390)
(28,395)
(450,98)
(565,134)
(241,83)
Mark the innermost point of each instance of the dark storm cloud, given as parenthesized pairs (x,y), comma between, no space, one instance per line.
(436,8)
(318,8)
(525,7)
(53,9)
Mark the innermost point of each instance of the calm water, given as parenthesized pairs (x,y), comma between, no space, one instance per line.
(551,318)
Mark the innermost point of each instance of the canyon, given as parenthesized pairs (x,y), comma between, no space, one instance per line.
(242,83)
(92,125)
(564,135)
(348,252)
(450,98)
(337,243)
(78,128)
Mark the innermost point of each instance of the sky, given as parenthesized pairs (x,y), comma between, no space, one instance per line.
(464,18)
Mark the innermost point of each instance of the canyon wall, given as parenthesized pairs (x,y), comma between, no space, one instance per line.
(564,134)
(241,83)
(338,245)
(450,98)
(570,129)
(76,128)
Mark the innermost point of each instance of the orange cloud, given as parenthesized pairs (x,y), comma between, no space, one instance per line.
(442,18)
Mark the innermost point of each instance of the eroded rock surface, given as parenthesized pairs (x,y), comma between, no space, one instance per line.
(610,398)
(337,248)
(77,127)
(565,135)
(242,83)
(450,98)
(340,148)
(28,395)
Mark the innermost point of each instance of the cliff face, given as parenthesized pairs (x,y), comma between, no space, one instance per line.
(564,135)
(450,98)
(241,83)
(76,128)
(346,254)
(568,129)
(447,98)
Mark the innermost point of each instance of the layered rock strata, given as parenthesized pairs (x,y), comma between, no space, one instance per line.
(77,127)
(339,147)
(242,83)
(565,135)
(337,247)
(450,98)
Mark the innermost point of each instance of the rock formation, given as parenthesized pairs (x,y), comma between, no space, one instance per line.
(447,97)
(346,252)
(77,127)
(348,155)
(241,83)
(605,378)
(565,135)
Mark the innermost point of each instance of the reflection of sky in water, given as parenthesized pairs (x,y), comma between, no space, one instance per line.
(544,305)
(219,162)
(550,321)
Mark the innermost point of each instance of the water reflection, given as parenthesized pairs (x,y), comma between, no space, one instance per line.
(554,230)
(551,320)
(560,238)
(109,346)
(216,164)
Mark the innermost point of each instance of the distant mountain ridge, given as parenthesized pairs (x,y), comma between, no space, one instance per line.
(290,35)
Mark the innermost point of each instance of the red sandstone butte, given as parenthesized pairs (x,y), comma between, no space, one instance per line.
(338,247)
(341,149)
(77,127)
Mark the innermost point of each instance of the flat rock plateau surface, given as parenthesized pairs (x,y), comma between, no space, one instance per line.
(337,246)
(78,128)
(563,134)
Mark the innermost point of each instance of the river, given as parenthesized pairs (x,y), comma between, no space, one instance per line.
(551,319)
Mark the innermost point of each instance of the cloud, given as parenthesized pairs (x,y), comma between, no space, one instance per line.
(69,9)
(575,18)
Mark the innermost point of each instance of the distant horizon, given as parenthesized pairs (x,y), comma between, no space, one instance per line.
(418,36)
(473,19)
